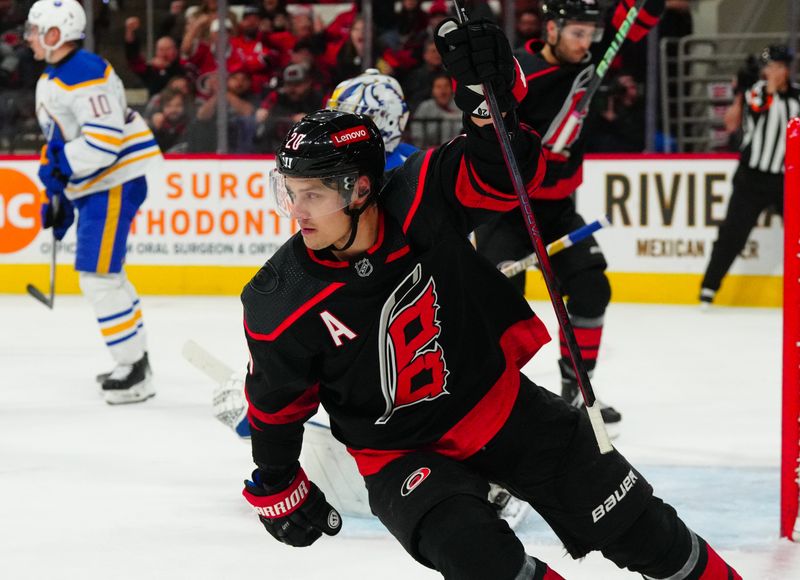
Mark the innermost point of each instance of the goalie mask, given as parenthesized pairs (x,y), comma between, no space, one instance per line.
(378,96)
(331,150)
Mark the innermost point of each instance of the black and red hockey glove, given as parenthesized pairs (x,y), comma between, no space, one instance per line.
(293,509)
(645,20)
(476,53)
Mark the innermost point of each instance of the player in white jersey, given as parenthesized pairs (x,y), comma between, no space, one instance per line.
(94,161)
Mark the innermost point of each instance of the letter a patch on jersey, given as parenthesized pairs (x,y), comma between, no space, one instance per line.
(336,327)
(412,364)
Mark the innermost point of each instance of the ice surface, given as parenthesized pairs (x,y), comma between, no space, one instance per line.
(153,490)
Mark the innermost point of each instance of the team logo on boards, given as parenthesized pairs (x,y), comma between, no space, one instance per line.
(412,364)
(19,210)
(412,481)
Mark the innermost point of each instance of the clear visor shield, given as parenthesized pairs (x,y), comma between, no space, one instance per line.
(582,31)
(311,197)
(30,30)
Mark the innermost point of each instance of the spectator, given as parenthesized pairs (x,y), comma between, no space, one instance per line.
(250,50)
(9,60)
(202,132)
(303,53)
(273,15)
(164,64)
(174,23)
(203,60)
(11,16)
(199,24)
(436,13)
(417,84)
(284,107)
(181,84)
(350,58)
(169,124)
(404,43)
(437,119)
(619,123)
(529,27)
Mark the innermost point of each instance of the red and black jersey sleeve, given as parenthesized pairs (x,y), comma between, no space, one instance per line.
(281,386)
(469,175)
(645,20)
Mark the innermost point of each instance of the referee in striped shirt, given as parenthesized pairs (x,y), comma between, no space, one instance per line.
(758,181)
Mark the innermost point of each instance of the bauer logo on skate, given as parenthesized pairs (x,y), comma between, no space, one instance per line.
(19,210)
(348,136)
(414,480)
(611,501)
(286,505)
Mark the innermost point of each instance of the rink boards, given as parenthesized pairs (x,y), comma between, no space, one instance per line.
(210,222)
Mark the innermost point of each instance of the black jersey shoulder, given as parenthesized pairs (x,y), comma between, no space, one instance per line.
(403,186)
(280,293)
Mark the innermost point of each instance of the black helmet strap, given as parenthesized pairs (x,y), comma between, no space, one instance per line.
(354,214)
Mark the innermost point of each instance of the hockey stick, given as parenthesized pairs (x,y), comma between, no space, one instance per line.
(597,79)
(33,290)
(584,385)
(562,243)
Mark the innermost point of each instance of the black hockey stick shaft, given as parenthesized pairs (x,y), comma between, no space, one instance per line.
(33,290)
(603,442)
(597,78)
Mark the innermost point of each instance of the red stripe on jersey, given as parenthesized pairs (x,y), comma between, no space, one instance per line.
(327,263)
(562,188)
(540,73)
(423,173)
(481,197)
(551,574)
(379,240)
(647,19)
(396,255)
(519,343)
(302,407)
(295,315)
(717,569)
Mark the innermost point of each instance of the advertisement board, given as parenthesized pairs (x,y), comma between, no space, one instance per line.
(210,222)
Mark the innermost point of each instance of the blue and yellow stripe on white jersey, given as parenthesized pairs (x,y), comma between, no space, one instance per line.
(121,326)
(137,147)
(81,101)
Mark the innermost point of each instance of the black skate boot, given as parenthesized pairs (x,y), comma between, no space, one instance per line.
(129,383)
(570,392)
(101,378)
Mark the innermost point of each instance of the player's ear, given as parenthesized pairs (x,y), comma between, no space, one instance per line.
(361,192)
(52,36)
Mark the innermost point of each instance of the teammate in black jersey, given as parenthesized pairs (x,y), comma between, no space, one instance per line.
(558,70)
(380,310)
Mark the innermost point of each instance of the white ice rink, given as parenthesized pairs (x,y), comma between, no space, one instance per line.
(89,491)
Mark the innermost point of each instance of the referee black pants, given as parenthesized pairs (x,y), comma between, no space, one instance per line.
(753,192)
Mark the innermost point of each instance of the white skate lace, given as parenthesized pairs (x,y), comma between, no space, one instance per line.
(120,372)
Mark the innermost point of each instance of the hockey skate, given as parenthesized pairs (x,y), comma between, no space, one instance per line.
(129,383)
(611,417)
(101,377)
(706,299)
(512,510)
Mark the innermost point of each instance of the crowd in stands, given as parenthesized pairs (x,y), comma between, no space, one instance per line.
(283,60)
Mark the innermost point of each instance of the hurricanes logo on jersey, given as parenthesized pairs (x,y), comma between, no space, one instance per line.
(412,364)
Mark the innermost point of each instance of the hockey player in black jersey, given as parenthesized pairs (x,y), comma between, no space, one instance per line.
(558,70)
(380,310)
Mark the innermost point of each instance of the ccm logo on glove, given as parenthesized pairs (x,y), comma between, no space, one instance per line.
(283,503)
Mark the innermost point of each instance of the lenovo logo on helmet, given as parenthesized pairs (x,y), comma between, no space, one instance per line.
(348,136)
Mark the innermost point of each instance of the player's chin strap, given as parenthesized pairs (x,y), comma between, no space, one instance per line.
(354,214)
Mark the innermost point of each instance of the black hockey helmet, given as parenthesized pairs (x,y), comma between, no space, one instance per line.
(327,143)
(578,10)
(776,53)
(335,147)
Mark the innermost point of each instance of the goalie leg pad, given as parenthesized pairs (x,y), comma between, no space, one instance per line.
(119,318)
